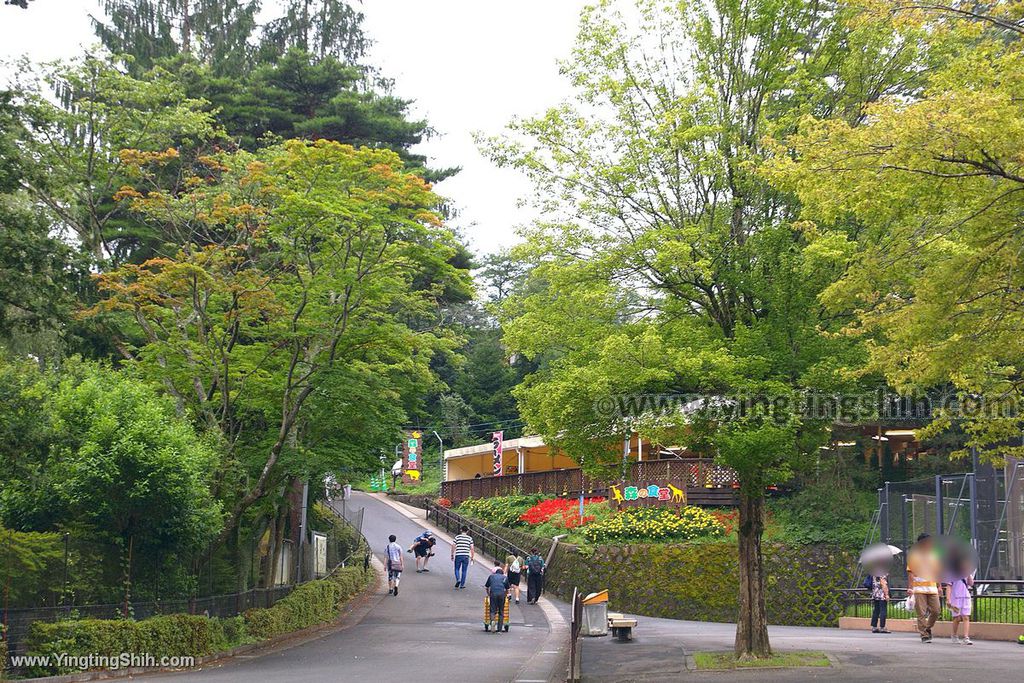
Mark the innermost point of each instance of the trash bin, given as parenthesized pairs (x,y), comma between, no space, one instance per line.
(595,619)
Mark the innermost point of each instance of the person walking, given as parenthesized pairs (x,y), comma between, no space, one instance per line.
(463,553)
(423,549)
(958,597)
(922,580)
(395,564)
(496,589)
(879,602)
(513,570)
(534,577)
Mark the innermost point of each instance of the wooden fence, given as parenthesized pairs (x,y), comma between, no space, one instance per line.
(706,482)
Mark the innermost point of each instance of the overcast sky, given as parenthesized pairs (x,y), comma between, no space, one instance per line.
(469,65)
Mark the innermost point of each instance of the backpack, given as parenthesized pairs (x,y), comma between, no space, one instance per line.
(535,564)
(869,582)
(514,567)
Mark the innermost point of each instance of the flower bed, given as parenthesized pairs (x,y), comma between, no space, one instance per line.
(654,524)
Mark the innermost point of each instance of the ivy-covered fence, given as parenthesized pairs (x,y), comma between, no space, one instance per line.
(700,582)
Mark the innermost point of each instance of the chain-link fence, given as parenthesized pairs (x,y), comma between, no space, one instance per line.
(984,508)
(86,579)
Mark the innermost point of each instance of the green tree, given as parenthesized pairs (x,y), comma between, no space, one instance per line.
(99,452)
(215,32)
(667,264)
(297,276)
(923,200)
(72,147)
(323,28)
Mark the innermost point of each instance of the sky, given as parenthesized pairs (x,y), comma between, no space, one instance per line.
(470,66)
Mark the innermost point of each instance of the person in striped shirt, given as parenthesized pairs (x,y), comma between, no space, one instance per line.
(462,554)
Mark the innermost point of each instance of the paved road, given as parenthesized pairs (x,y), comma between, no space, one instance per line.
(658,651)
(430,632)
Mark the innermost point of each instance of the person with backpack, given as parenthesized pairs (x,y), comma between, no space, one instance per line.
(958,597)
(534,577)
(395,564)
(513,570)
(496,588)
(878,583)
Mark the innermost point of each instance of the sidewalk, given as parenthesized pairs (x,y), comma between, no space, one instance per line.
(659,648)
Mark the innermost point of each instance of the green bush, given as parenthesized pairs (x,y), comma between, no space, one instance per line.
(160,636)
(312,603)
(502,510)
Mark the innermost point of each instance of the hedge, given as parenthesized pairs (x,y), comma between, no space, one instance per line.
(312,603)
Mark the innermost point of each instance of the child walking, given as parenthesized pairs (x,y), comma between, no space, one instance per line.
(879,602)
(958,597)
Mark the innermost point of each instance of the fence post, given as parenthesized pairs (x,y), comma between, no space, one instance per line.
(883,514)
(939,524)
(974,512)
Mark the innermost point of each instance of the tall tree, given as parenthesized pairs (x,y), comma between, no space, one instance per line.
(667,264)
(72,147)
(924,200)
(215,32)
(299,269)
(323,28)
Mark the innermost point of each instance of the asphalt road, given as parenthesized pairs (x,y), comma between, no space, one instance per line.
(429,632)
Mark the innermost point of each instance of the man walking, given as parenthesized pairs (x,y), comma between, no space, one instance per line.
(463,553)
(534,577)
(496,589)
(395,564)
(922,579)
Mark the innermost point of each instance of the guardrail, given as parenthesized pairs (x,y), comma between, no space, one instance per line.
(575,626)
(995,602)
(485,541)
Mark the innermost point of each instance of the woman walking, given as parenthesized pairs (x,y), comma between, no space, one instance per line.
(513,570)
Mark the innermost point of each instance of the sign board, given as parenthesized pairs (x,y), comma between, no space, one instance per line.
(319,554)
(497,442)
(627,493)
(412,457)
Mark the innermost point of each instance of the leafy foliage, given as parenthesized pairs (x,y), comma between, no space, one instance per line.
(501,510)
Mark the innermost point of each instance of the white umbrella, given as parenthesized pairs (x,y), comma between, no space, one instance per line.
(880,552)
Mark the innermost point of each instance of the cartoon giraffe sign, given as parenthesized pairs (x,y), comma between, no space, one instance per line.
(622,494)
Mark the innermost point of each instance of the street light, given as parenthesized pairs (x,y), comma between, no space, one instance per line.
(441,451)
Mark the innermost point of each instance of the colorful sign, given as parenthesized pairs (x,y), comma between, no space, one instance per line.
(497,441)
(622,493)
(412,450)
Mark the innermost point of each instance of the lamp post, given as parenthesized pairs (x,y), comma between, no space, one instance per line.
(440,446)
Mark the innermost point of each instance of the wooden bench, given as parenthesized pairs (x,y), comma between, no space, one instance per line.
(621,626)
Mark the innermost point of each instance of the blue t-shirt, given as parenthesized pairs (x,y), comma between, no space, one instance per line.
(497,584)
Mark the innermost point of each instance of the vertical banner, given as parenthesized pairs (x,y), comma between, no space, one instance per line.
(497,440)
(411,457)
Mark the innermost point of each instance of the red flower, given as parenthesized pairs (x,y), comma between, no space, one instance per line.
(561,508)
(444,502)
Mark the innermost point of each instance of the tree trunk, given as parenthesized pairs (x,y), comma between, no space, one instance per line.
(752,624)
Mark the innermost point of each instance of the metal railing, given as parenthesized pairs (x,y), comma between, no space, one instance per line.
(998,602)
(484,540)
(575,626)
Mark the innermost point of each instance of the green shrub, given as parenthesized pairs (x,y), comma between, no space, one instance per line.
(161,636)
(502,510)
(312,603)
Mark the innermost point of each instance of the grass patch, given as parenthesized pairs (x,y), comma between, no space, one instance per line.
(720,661)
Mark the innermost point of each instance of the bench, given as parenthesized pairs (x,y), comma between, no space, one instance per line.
(621,626)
